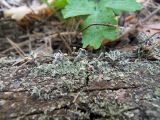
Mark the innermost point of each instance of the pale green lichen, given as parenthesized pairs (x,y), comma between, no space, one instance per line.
(68,75)
(60,68)
(2,86)
(157,91)
(102,107)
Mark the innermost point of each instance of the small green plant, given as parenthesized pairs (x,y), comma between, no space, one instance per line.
(56,4)
(99,18)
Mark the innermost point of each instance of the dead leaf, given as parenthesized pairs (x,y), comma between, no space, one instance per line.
(17,13)
(24,14)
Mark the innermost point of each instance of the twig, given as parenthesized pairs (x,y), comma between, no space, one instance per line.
(76,97)
(151,15)
(66,44)
(54,35)
(133,28)
(30,43)
(17,48)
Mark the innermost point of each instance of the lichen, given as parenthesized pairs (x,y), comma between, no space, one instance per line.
(63,78)
(2,86)
(100,107)
(157,92)
(68,75)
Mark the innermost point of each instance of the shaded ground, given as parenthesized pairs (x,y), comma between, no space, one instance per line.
(115,86)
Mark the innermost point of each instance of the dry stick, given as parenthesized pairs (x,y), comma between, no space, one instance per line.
(76,97)
(66,44)
(133,28)
(151,15)
(54,35)
(17,48)
(48,43)
(30,43)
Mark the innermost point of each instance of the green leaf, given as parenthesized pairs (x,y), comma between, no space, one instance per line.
(60,3)
(78,7)
(100,13)
(94,35)
(124,5)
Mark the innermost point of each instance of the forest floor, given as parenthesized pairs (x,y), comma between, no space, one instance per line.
(45,74)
